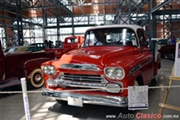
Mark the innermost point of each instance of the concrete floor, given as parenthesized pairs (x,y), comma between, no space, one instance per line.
(42,108)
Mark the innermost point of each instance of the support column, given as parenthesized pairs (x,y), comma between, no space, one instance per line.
(58,21)
(44,21)
(149,19)
(72,24)
(153,21)
(19,22)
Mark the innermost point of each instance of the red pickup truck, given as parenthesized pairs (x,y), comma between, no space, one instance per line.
(112,58)
(14,66)
(70,43)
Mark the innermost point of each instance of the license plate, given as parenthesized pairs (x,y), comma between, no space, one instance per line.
(75,101)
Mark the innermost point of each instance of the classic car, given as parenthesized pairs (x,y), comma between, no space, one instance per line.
(111,59)
(168,49)
(161,42)
(165,47)
(16,65)
(18,49)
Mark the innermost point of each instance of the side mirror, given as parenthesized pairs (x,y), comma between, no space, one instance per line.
(144,43)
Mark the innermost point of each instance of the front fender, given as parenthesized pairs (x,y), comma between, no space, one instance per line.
(33,64)
(132,66)
(127,63)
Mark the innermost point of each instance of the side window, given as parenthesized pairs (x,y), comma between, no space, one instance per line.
(141,37)
(133,38)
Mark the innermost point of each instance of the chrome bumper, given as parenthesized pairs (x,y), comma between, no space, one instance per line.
(88,99)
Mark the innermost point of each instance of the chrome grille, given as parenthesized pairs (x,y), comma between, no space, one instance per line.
(81,78)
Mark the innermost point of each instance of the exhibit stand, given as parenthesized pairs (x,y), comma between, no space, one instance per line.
(175,75)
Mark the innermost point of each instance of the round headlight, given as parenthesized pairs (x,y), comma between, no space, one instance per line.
(109,72)
(52,70)
(44,69)
(118,72)
(114,73)
(48,69)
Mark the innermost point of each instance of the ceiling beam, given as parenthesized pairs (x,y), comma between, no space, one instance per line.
(166,12)
(85,4)
(161,5)
(6,17)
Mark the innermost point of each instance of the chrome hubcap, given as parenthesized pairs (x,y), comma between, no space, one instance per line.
(38,78)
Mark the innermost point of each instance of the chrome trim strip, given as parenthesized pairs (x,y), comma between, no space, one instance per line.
(81,85)
(81,78)
(116,101)
(135,69)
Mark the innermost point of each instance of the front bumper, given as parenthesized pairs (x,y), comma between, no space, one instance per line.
(116,101)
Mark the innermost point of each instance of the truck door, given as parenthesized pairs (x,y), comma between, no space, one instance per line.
(147,57)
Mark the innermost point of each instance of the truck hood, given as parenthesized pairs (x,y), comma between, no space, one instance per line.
(98,55)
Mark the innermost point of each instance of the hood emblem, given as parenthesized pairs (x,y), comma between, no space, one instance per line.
(80,67)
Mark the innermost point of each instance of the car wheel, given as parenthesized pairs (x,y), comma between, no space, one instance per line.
(36,79)
(61,102)
(154,49)
(136,83)
(154,80)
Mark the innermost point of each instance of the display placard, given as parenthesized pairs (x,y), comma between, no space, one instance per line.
(137,97)
(177,60)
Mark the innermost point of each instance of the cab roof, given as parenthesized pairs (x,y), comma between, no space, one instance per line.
(134,27)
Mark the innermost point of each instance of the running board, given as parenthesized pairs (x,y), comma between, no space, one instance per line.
(12,82)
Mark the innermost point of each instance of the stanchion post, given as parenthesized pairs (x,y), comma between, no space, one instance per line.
(25,98)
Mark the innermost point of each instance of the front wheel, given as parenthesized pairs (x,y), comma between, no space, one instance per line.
(136,83)
(154,80)
(36,79)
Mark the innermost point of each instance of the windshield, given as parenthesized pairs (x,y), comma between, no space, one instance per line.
(12,49)
(72,40)
(110,36)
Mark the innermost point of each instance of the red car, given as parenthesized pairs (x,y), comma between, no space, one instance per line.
(164,46)
(22,62)
(112,57)
(70,43)
(167,49)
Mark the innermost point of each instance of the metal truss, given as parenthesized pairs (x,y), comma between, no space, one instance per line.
(131,12)
(165,17)
(5,6)
(8,5)
(14,7)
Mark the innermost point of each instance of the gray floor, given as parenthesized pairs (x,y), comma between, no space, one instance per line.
(42,108)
